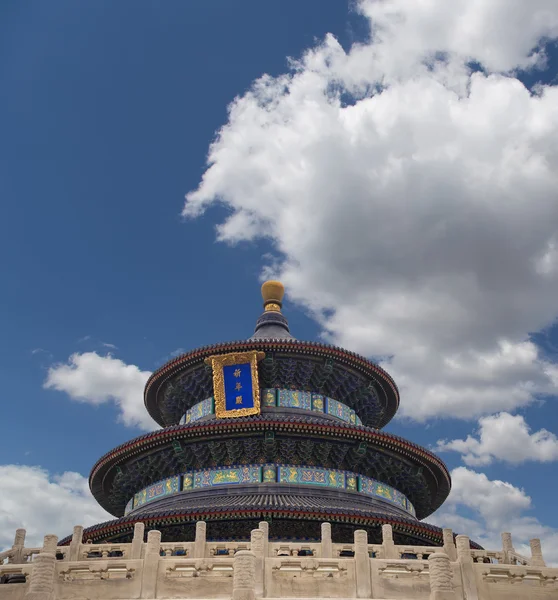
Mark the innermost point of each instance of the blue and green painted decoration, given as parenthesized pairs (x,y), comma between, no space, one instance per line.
(270,473)
(271,397)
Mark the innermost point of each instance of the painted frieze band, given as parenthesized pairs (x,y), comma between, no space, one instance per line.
(271,397)
(270,473)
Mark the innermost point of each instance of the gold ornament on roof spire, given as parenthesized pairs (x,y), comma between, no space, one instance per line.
(272,294)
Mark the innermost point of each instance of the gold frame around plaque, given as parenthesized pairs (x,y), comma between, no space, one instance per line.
(217,362)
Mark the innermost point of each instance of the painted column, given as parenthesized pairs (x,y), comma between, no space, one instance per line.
(17,548)
(449,544)
(441,577)
(151,565)
(362,565)
(257,548)
(467,569)
(199,545)
(137,540)
(537,559)
(389,550)
(41,585)
(327,547)
(244,575)
(75,544)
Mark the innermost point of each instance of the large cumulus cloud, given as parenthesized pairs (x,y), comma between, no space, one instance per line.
(411,199)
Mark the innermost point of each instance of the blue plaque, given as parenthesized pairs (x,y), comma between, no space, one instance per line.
(235,383)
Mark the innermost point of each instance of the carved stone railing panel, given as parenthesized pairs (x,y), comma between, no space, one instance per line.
(278,549)
(185,549)
(393,578)
(104,551)
(195,578)
(225,549)
(513,576)
(309,577)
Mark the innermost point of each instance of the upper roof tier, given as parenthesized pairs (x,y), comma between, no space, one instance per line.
(288,364)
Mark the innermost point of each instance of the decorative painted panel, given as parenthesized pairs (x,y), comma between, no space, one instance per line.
(374,488)
(157,490)
(318,403)
(227,476)
(188,481)
(129,506)
(269,397)
(269,474)
(200,410)
(339,410)
(294,399)
(312,476)
(351,482)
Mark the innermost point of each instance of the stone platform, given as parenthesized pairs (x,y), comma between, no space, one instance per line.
(259,568)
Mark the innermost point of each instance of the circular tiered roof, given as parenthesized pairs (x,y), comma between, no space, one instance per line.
(413,470)
(291,364)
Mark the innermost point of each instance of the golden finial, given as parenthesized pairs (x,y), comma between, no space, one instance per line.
(272,294)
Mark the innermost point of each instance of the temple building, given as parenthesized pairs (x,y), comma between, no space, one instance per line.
(270,478)
(270,429)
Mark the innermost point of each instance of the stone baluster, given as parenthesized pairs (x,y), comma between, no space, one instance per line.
(441,577)
(137,540)
(507,547)
(362,565)
(537,559)
(465,560)
(199,544)
(449,544)
(151,565)
(257,548)
(75,544)
(388,546)
(41,585)
(244,575)
(17,549)
(264,526)
(327,547)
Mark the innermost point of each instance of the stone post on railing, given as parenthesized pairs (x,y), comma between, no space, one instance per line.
(389,550)
(137,540)
(75,544)
(41,585)
(449,544)
(441,577)
(507,547)
(151,565)
(199,544)
(327,548)
(537,559)
(17,549)
(465,560)
(244,575)
(257,548)
(362,565)
(264,526)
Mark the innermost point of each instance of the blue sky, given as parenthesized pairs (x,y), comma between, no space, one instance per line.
(107,113)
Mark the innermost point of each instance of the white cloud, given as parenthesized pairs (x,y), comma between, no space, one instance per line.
(42,503)
(494,507)
(504,437)
(418,222)
(89,377)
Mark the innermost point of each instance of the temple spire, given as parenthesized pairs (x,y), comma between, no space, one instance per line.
(272,323)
